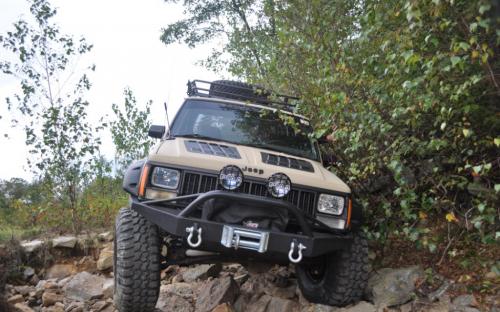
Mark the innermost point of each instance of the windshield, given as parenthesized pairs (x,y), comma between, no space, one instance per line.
(245,125)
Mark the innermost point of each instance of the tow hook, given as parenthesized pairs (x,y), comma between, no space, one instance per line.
(300,247)
(191,230)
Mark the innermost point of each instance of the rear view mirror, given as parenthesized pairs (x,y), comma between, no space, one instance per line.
(156,131)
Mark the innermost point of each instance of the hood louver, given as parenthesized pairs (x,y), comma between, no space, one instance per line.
(211,149)
(299,164)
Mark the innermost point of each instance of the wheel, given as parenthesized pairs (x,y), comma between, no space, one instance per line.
(239,91)
(136,262)
(339,278)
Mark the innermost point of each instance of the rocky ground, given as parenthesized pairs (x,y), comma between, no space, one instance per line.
(85,283)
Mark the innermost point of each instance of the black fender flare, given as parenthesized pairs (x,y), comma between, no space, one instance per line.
(132,176)
(356,215)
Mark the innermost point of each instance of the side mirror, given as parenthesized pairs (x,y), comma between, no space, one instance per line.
(328,160)
(156,131)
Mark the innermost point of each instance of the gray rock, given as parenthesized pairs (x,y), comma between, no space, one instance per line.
(281,305)
(319,308)
(201,272)
(465,300)
(50,298)
(438,293)
(217,291)
(105,261)
(281,292)
(464,303)
(85,286)
(260,305)
(361,306)
(59,271)
(15,299)
(75,306)
(58,307)
(390,287)
(61,283)
(174,303)
(24,290)
(64,242)
(184,290)
(30,246)
(28,273)
(21,307)
(108,287)
(99,306)
(106,236)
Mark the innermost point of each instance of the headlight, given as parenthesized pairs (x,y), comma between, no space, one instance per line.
(231,177)
(165,177)
(279,185)
(331,204)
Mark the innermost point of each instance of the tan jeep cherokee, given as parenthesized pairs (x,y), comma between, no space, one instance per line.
(230,181)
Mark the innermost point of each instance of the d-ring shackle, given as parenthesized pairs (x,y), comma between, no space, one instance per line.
(191,230)
(300,247)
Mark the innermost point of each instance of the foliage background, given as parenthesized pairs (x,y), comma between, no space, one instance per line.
(408,91)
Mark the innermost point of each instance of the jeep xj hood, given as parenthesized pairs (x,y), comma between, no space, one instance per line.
(174,152)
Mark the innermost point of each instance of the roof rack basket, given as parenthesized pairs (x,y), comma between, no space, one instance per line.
(240,91)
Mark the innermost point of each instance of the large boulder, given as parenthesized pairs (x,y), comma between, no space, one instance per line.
(215,292)
(169,302)
(84,286)
(64,242)
(183,290)
(390,287)
(201,272)
(60,271)
(105,261)
(30,246)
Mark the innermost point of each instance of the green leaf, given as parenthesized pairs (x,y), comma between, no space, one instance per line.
(432,247)
(483,8)
(464,46)
(497,188)
(497,141)
(466,132)
(455,60)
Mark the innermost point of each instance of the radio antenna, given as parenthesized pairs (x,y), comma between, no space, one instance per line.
(166,116)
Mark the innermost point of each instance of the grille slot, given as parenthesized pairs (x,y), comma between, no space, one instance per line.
(200,183)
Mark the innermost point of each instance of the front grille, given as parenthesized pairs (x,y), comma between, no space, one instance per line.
(200,183)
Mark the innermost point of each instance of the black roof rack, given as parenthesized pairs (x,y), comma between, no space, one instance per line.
(227,89)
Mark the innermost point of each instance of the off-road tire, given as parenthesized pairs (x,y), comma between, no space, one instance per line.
(344,279)
(136,262)
(239,91)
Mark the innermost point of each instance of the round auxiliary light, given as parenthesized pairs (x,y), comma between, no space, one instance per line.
(231,177)
(278,185)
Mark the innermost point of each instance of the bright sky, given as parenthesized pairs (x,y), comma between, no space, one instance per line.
(127,52)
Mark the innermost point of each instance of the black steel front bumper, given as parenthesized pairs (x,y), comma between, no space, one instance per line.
(316,237)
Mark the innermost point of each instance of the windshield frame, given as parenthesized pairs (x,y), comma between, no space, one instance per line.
(242,105)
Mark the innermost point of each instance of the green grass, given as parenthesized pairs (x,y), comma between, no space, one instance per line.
(8,232)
